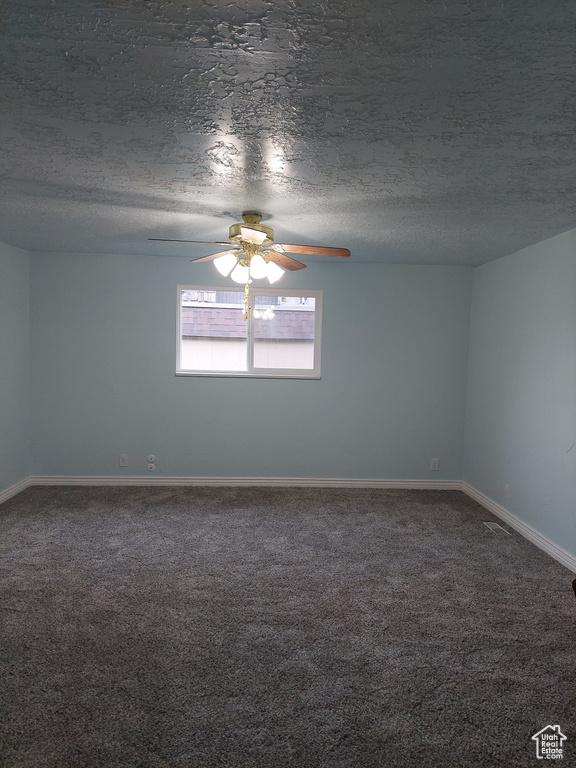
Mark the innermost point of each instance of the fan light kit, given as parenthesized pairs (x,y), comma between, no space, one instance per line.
(254,256)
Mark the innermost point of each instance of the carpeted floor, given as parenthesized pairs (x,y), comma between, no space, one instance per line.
(263,628)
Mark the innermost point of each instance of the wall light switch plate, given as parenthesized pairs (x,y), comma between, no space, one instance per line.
(123,459)
(434,465)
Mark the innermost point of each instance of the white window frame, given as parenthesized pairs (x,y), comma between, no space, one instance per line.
(252,372)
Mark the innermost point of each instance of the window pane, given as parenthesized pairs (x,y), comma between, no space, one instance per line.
(284,332)
(214,332)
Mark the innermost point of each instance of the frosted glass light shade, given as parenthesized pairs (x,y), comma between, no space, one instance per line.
(273,272)
(252,235)
(240,274)
(225,263)
(258,267)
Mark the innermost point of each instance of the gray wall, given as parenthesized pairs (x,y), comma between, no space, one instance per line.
(391,397)
(521,409)
(14,366)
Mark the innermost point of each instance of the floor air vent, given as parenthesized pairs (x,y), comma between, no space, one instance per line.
(497,528)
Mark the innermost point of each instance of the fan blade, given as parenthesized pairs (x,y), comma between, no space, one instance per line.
(206,242)
(284,261)
(316,250)
(212,256)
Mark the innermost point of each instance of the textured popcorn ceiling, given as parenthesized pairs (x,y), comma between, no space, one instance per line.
(409,131)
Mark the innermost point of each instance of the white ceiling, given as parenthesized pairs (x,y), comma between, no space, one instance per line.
(410,131)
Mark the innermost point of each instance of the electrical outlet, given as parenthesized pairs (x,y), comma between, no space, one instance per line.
(507,492)
(123,459)
(434,464)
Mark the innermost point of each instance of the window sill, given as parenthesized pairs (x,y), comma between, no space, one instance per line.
(246,375)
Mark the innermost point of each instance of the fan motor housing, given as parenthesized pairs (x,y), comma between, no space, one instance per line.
(251,230)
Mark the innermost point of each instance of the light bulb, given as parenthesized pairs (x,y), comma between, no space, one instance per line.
(258,267)
(240,274)
(273,272)
(225,263)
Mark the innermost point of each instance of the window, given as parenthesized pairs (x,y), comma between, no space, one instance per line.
(280,338)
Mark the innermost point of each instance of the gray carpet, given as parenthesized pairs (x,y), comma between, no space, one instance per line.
(228,627)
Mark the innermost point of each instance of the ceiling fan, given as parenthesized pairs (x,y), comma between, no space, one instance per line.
(252,254)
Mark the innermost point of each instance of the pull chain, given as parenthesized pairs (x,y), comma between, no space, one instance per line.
(246,287)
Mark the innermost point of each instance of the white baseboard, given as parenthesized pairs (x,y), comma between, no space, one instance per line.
(558,553)
(7,493)
(278,482)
